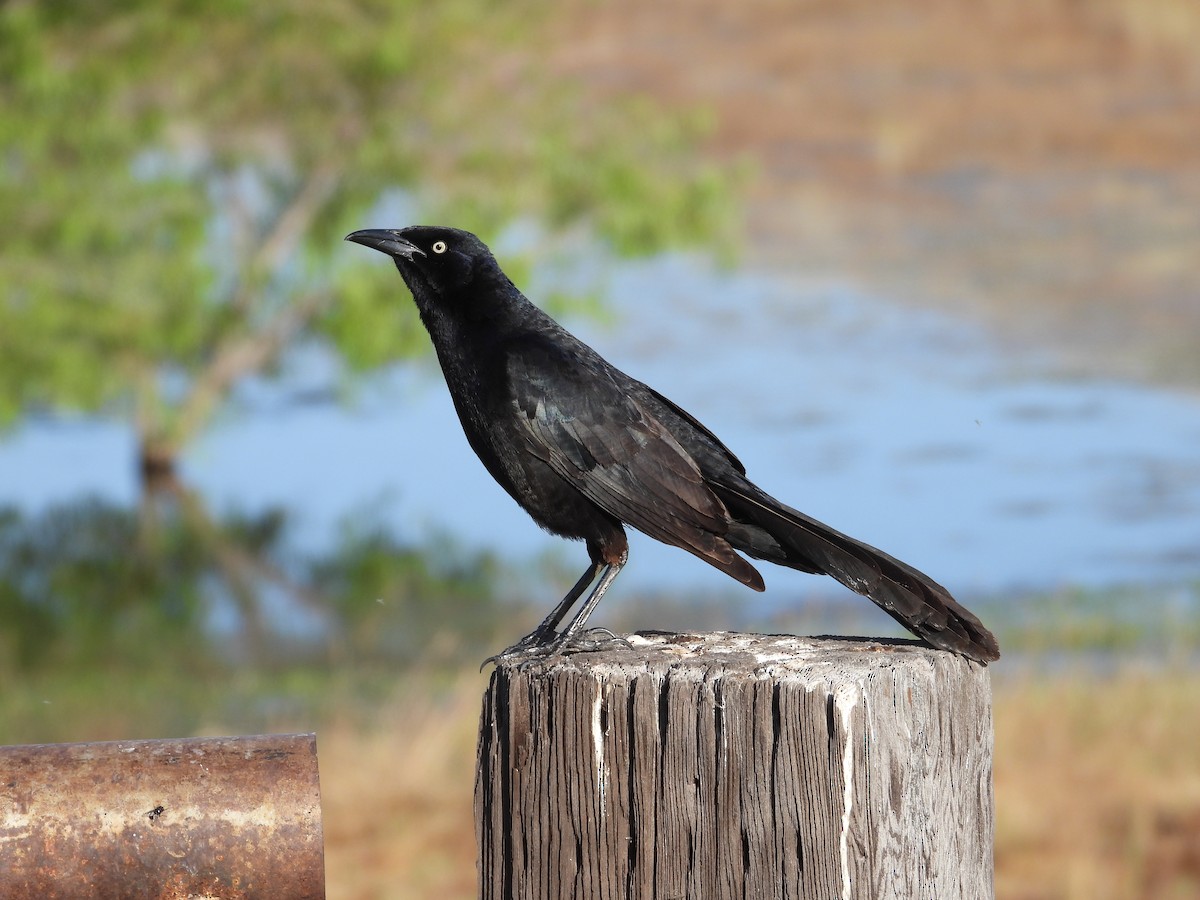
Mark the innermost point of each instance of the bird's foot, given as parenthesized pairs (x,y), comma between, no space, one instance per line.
(536,644)
(591,641)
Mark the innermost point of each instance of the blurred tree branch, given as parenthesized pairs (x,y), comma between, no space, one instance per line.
(287,231)
(176,178)
(236,356)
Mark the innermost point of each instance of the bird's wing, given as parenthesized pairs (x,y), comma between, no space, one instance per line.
(716,442)
(614,451)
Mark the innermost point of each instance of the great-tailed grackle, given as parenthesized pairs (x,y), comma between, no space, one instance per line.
(584,448)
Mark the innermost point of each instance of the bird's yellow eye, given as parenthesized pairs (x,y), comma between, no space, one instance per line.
(439,247)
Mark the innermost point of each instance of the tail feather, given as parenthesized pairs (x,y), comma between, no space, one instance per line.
(766,529)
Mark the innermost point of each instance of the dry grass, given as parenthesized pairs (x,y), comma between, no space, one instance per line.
(1097,789)
(819,88)
(397,797)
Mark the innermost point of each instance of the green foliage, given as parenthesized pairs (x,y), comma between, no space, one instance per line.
(393,601)
(90,585)
(176,178)
(1153,621)
(367,294)
(75,583)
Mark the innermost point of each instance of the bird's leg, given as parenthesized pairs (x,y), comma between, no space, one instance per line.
(606,578)
(542,636)
(544,632)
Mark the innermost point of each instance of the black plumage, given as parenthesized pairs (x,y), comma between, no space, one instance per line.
(586,449)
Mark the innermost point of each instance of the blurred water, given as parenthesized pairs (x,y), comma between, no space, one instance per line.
(978,463)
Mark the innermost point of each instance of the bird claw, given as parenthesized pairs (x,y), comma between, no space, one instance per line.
(588,642)
(536,645)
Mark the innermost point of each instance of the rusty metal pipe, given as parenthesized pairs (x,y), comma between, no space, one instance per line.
(205,817)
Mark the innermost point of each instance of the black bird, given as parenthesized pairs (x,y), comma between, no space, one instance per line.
(585,449)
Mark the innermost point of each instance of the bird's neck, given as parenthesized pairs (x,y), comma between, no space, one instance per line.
(474,316)
(470,328)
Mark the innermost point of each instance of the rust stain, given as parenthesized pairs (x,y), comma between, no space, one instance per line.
(124,818)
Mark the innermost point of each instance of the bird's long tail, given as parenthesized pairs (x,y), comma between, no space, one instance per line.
(766,529)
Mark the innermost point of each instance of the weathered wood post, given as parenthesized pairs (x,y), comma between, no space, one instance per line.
(733,765)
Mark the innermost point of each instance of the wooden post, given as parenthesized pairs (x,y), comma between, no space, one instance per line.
(734,765)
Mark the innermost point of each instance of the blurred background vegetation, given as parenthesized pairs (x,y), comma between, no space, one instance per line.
(175,181)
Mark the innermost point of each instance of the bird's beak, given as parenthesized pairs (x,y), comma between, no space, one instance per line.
(385,241)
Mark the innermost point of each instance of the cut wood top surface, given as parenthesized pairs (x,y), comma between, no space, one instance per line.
(781,656)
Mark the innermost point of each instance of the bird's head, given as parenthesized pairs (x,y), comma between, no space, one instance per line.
(434,261)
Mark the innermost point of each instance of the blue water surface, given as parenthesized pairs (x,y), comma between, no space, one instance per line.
(980,463)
